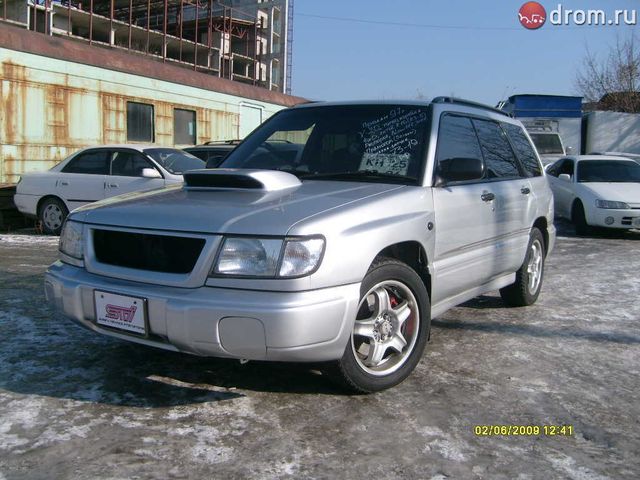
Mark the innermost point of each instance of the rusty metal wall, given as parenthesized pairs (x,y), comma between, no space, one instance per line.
(51,107)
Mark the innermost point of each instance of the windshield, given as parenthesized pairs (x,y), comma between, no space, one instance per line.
(623,171)
(366,143)
(174,161)
(547,143)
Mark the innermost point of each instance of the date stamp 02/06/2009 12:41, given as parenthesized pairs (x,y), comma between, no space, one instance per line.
(523,430)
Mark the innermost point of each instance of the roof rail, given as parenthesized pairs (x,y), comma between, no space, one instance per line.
(469,103)
(222,142)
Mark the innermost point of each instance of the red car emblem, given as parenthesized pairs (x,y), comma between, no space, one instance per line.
(120,313)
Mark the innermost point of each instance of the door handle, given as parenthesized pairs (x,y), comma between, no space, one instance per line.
(487,197)
(525,191)
(63,183)
(112,185)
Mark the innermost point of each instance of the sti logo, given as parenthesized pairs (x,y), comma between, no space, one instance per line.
(120,313)
(532,15)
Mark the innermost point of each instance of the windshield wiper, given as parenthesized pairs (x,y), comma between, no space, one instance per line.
(359,175)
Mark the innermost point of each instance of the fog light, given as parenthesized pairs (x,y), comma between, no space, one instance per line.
(609,220)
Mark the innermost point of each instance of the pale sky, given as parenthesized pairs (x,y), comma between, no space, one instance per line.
(473,49)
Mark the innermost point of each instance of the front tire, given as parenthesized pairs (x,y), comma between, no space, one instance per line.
(579,219)
(390,330)
(525,290)
(52,214)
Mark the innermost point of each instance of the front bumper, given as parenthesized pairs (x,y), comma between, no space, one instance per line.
(257,325)
(612,218)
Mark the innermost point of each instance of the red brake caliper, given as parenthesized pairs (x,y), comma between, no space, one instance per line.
(407,328)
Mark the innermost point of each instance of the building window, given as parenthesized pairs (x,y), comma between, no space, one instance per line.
(184,127)
(140,122)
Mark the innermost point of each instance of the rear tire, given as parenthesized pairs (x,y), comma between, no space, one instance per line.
(579,220)
(525,290)
(390,330)
(52,214)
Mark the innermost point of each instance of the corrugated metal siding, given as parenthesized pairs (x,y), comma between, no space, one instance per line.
(51,108)
(548,106)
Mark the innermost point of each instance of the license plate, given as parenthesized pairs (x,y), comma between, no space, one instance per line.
(121,312)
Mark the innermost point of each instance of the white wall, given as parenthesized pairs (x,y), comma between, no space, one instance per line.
(613,132)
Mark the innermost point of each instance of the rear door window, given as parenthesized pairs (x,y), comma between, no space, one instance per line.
(95,162)
(500,161)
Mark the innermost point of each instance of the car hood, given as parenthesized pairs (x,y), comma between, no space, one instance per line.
(223,211)
(618,191)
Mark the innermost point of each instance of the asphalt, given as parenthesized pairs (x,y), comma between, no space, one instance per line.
(74,404)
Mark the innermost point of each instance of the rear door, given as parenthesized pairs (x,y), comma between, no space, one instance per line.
(81,181)
(465,217)
(536,183)
(126,173)
(513,205)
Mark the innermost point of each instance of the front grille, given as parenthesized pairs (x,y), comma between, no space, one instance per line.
(627,220)
(143,251)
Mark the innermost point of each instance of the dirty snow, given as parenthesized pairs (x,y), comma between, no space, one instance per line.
(77,405)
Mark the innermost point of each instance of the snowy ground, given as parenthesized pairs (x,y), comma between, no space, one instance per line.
(77,405)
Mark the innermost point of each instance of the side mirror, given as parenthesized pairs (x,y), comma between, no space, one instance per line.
(150,173)
(565,176)
(569,150)
(459,169)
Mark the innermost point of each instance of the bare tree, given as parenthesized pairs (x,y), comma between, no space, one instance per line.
(613,82)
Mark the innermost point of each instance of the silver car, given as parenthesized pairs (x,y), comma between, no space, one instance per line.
(333,233)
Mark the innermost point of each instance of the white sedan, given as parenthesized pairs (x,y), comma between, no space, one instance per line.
(596,190)
(96,173)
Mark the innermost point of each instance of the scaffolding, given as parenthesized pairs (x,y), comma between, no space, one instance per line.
(289,63)
(205,35)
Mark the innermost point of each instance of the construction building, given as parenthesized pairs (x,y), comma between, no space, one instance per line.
(171,72)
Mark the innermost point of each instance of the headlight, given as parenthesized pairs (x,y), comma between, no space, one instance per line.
(253,257)
(611,205)
(269,258)
(71,239)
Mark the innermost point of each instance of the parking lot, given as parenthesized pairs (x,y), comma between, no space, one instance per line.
(77,405)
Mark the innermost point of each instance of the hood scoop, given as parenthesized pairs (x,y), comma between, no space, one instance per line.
(236,178)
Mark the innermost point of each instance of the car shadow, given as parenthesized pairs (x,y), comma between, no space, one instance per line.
(82,367)
(483,302)
(566,229)
(44,353)
(536,331)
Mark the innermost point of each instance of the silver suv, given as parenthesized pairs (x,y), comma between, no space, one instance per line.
(333,233)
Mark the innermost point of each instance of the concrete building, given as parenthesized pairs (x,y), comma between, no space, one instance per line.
(243,40)
(76,74)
